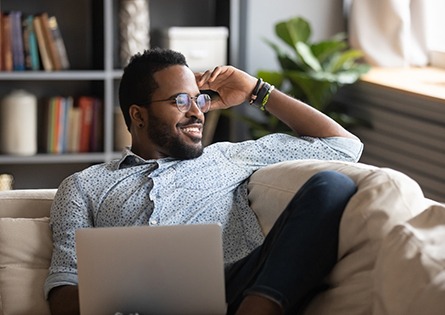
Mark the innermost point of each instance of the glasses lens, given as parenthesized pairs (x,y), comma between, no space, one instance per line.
(183,102)
(203,101)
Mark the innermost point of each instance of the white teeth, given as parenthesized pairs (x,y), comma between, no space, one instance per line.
(191,129)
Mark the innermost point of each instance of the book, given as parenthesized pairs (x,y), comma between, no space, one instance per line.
(59,43)
(6,43)
(50,43)
(74,129)
(66,104)
(96,139)
(53,125)
(32,58)
(41,42)
(18,57)
(85,104)
(1,47)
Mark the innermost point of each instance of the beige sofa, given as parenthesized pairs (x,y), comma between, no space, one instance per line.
(391,257)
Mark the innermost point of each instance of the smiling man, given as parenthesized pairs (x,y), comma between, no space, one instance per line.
(167,177)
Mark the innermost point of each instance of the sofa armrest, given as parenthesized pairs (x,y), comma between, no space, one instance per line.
(385,197)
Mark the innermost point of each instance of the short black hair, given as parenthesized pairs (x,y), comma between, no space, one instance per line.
(138,84)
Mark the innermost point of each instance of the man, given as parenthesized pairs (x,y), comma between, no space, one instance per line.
(167,177)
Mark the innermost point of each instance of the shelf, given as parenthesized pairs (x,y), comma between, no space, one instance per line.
(58,158)
(60,75)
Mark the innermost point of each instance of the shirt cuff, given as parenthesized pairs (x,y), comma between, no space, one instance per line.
(57,280)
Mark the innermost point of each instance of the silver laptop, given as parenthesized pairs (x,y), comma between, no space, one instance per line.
(151,270)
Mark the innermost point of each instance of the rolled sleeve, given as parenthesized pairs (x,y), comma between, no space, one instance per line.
(350,149)
(57,280)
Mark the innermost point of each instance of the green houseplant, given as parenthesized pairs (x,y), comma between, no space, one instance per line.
(310,71)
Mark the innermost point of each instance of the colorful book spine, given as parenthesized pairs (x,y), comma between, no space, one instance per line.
(43,49)
(18,57)
(61,53)
(50,43)
(1,44)
(32,59)
(86,107)
(6,43)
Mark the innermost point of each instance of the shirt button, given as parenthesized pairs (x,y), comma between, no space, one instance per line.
(153,222)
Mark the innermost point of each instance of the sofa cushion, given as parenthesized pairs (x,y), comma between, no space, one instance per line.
(385,197)
(25,254)
(410,269)
(26,203)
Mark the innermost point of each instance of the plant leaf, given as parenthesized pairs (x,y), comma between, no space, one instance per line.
(287,63)
(318,92)
(324,50)
(344,60)
(306,55)
(293,31)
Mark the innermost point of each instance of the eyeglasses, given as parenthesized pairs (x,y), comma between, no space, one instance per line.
(184,102)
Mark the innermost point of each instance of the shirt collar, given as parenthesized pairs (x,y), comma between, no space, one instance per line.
(129,159)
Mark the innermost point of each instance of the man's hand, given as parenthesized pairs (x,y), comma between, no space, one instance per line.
(233,85)
(64,300)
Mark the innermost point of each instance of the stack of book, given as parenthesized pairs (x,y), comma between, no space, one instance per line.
(32,42)
(71,125)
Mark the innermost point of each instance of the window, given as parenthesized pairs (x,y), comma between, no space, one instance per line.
(396,33)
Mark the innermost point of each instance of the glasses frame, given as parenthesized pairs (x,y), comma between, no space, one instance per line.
(186,108)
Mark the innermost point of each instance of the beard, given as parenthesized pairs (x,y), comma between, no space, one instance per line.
(173,145)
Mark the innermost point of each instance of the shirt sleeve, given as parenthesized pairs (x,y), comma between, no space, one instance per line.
(69,212)
(275,148)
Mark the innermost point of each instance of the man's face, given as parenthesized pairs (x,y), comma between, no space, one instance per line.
(172,133)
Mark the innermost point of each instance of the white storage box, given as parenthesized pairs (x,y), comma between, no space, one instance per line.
(204,47)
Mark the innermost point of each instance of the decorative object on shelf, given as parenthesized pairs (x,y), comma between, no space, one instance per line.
(134,25)
(6,182)
(204,47)
(18,123)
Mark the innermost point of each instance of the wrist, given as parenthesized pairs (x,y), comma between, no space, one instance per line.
(260,94)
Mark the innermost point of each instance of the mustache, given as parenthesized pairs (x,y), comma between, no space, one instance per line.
(192,120)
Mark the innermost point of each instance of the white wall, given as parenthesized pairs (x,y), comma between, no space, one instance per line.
(256,19)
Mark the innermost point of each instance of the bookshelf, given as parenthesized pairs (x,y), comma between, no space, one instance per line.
(90,32)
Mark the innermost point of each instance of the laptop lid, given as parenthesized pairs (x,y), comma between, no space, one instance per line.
(151,270)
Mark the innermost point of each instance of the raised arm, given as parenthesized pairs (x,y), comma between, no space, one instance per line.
(235,86)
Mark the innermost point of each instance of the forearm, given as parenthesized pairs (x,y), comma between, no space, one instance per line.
(235,87)
(64,300)
(304,119)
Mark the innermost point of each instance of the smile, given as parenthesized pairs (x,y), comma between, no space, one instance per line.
(194,131)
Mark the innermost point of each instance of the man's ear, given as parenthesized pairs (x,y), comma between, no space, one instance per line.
(137,115)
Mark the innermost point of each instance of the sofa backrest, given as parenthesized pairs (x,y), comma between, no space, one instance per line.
(30,203)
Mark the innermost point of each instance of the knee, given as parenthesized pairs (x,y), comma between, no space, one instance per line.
(330,190)
(336,182)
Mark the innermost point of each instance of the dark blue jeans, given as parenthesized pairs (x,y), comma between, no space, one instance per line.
(299,251)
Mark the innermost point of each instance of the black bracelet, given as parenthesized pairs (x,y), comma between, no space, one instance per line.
(255,91)
(263,96)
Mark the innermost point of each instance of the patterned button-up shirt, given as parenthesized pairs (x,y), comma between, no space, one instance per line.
(209,189)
